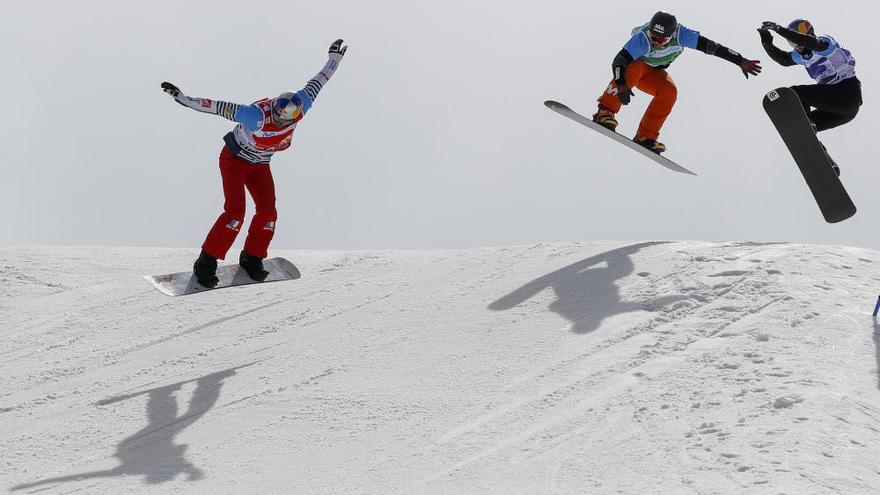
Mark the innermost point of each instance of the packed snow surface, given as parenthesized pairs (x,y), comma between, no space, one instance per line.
(652,367)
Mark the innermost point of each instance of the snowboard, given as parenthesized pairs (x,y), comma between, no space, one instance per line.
(787,113)
(564,110)
(183,283)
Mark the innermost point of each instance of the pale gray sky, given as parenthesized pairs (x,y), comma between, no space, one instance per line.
(432,134)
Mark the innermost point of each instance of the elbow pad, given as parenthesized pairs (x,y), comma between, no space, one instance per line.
(707,46)
(618,65)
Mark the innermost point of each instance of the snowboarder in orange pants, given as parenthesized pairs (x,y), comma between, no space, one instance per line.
(653,81)
(642,64)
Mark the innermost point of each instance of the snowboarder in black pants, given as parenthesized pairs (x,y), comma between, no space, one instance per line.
(837,95)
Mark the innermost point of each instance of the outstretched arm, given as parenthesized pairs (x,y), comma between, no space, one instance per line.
(249,115)
(709,47)
(779,56)
(315,84)
(807,41)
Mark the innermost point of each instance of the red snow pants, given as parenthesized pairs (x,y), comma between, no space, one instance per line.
(238,174)
(657,83)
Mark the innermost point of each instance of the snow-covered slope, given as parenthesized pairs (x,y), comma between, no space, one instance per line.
(681,367)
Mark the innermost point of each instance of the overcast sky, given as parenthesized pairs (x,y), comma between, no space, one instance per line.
(432,133)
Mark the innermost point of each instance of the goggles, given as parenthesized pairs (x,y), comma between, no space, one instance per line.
(287,107)
(660,40)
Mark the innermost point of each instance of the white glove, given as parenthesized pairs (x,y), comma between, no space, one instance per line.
(337,51)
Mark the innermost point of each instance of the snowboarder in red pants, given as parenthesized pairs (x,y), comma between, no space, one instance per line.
(264,128)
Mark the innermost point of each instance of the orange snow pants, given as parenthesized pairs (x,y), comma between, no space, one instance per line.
(651,80)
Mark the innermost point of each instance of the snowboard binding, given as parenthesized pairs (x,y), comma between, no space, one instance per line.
(205,270)
(834,165)
(605,119)
(651,144)
(253,266)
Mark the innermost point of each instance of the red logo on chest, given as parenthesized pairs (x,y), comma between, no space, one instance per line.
(271,137)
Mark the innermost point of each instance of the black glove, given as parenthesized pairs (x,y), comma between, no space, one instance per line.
(752,67)
(624,93)
(337,47)
(766,37)
(170,89)
(772,26)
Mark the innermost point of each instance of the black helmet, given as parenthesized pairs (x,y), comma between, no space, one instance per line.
(662,27)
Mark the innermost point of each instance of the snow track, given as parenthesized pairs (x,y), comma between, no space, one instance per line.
(655,367)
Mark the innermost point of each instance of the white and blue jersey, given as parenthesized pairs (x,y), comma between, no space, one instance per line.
(256,137)
(829,66)
(251,118)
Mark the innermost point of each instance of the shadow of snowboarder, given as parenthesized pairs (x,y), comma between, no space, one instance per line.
(151,452)
(586,294)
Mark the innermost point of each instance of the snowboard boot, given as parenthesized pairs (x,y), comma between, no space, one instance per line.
(205,270)
(833,163)
(253,266)
(605,119)
(651,144)
(834,166)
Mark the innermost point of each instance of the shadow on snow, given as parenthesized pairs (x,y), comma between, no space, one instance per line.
(586,291)
(151,452)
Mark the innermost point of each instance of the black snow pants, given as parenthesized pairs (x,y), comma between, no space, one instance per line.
(831,105)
